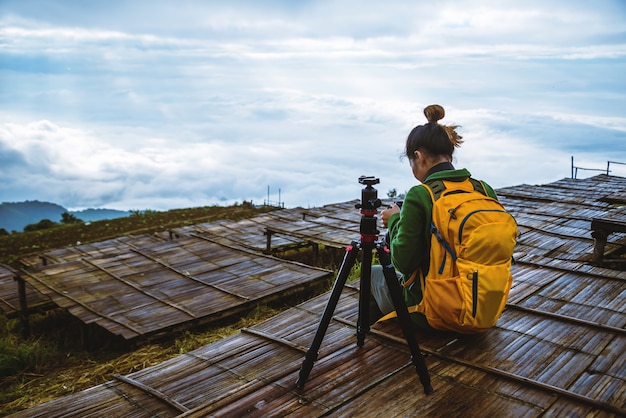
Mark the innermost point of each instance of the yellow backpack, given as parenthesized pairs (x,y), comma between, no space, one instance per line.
(471,251)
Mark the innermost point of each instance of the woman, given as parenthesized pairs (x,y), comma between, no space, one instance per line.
(429,149)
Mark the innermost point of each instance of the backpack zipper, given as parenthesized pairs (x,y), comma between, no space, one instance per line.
(474,293)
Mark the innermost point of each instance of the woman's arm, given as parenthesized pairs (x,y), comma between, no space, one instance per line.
(408,231)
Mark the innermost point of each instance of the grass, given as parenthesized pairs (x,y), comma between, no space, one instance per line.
(62,370)
(28,356)
(15,246)
(55,364)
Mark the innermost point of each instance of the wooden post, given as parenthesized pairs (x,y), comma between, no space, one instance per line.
(21,290)
(268,245)
(599,242)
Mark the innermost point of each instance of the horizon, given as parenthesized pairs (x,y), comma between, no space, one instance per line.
(130,105)
(278,202)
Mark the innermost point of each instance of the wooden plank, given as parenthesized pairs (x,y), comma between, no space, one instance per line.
(9,296)
(546,358)
(254,374)
(141,292)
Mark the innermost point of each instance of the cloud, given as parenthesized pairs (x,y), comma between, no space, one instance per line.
(191,103)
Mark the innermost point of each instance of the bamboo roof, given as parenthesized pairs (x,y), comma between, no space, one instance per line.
(333,225)
(559,348)
(555,219)
(141,286)
(9,296)
(538,361)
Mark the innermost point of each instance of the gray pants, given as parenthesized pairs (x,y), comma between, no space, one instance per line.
(380,292)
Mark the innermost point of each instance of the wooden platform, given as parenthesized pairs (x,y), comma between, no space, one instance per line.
(334,225)
(142,286)
(539,361)
(558,350)
(555,219)
(9,295)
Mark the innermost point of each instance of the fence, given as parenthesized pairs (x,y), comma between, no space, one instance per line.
(268,202)
(607,171)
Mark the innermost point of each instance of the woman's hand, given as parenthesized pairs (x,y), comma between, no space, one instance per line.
(386,214)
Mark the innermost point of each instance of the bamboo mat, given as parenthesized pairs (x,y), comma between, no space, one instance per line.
(537,361)
(136,286)
(9,295)
(559,349)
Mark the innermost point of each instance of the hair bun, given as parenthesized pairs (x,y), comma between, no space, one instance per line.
(434,113)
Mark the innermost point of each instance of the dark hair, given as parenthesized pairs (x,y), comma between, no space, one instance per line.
(433,138)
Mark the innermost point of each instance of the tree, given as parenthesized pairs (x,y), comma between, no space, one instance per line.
(43,224)
(68,218)
(392,193)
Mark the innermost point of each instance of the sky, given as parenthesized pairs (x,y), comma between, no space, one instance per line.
(158,104)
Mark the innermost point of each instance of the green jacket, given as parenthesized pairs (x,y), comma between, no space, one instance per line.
(409,230)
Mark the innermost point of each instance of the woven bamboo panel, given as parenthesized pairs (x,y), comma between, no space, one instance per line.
(555,219)
(333,225)
(9,296)
(531,364)
(559,348)
(163,285)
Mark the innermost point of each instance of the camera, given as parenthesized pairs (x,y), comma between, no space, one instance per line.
(399,199)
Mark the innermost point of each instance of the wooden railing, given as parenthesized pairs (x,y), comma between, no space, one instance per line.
(607,171)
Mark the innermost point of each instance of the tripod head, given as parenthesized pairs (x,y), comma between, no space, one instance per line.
(369,209)
(369,196)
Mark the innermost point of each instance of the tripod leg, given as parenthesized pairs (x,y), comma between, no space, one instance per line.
(363,322)
(311,355)
(405,321)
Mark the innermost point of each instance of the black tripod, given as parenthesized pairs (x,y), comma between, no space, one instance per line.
(369,235)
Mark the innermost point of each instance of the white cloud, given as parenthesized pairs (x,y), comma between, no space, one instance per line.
(202,102)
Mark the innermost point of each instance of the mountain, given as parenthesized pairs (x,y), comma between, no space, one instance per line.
(14,216)
(90,215)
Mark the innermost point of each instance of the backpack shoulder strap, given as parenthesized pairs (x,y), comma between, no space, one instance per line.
(479,186)
(431,192)
(435,188)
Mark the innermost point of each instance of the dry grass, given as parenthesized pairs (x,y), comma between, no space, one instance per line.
(55,365)
(78,370)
